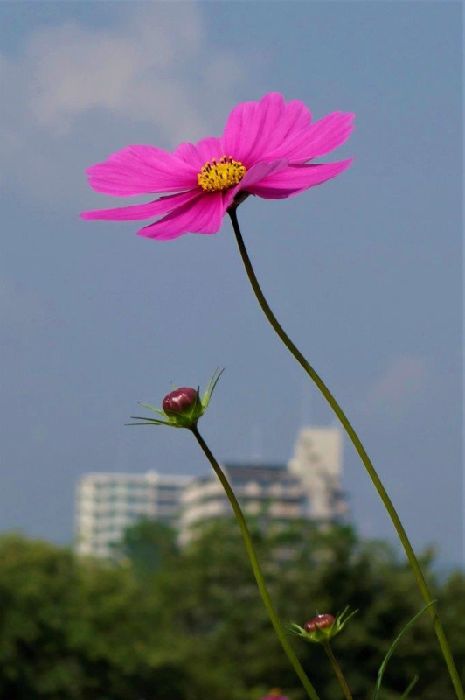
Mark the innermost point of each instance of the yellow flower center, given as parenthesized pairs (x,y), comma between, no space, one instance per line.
(217,175)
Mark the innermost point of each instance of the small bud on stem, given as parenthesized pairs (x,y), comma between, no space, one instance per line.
(323,626)
(182,407)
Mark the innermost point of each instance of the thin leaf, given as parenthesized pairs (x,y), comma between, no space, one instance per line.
(170,425)
(146,419)
(149,421)
(393,646)
(344,617)
(211,386)
(410,687)
(154,409)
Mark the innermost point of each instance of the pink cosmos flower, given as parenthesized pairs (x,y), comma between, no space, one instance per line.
(264,151)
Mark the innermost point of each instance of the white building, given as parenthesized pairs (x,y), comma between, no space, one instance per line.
(266,491)
(309,487)
(107,503)
(317,461)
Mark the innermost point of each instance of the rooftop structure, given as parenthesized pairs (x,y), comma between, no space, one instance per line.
(267,491)
(317,461)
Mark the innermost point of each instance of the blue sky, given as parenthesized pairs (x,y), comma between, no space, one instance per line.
(364,272)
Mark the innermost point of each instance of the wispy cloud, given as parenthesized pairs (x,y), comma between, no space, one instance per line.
(152,68)
(398,388)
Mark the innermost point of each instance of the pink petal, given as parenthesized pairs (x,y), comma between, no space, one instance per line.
(297,178)
(260,171)
(142,169)
(316,139)
(197,154)
(141,211)
(201,215)
(254,129)
(255,174)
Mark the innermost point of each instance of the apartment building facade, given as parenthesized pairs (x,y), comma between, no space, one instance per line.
(108,503)
(308,487)
(265,491)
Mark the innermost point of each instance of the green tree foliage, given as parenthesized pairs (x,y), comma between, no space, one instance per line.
(149,546)
(163,623)
(72,629)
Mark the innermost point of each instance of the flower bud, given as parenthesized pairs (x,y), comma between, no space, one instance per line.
(180,401)
(182,407)
(323,626)
(319,622)
(275,694)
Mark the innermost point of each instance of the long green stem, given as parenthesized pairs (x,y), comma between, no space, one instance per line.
(357,443)
(311,692)
(337,670)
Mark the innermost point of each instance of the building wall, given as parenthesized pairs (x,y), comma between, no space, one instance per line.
(107,503)
(268,491)
(309,487)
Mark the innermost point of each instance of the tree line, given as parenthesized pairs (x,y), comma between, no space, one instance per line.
(163,623)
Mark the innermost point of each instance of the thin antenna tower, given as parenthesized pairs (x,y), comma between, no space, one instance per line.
(306,408)
(257,444)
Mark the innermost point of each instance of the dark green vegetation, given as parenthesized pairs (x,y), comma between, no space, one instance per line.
(165,624)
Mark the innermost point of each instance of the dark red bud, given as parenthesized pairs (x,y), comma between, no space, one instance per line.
(320,622)
(180,401)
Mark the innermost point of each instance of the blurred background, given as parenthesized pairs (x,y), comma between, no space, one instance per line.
(364,272)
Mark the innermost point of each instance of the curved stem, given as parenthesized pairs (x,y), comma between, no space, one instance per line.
(311,692)
(337,670)
(357,443)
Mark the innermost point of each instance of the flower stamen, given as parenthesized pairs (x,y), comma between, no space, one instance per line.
(217,175)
